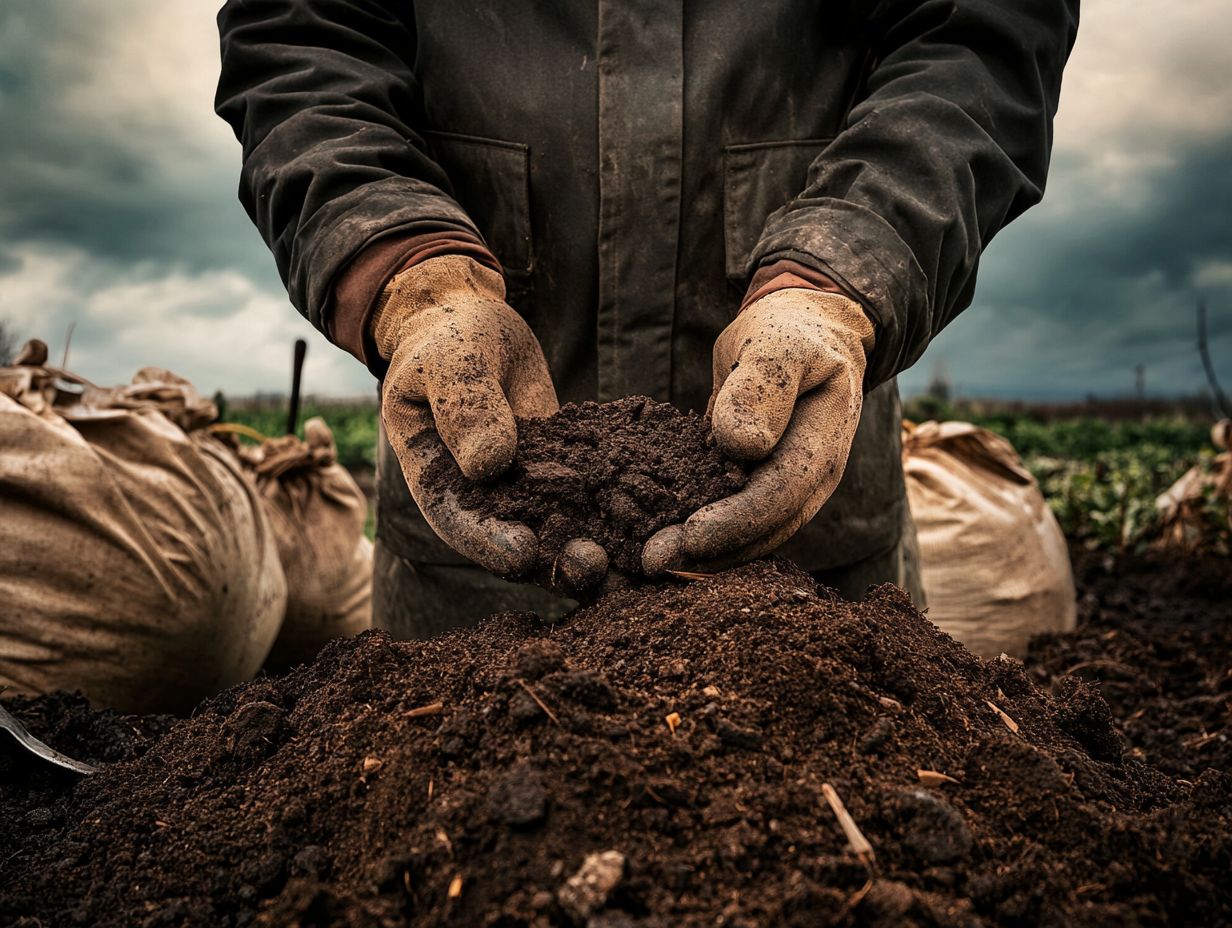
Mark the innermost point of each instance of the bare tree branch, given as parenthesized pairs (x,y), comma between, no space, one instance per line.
(1222,406)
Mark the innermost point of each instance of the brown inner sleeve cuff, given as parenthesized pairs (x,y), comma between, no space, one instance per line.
(359,287)
(784,275)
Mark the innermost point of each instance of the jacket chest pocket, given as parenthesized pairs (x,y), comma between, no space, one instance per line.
(758,178)
(491,181)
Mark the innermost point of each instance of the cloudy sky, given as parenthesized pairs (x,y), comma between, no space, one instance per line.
(118,210)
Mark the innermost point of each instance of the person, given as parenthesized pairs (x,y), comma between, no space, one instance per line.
(768,209)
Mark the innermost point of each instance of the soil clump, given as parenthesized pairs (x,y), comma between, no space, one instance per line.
(655,760)
(613,472)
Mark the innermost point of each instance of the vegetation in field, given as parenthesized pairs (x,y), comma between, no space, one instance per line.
(1101,477)
(1108,499)
(354,425)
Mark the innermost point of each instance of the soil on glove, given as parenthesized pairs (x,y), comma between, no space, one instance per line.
(614,472)
(1154,637)
(656,760)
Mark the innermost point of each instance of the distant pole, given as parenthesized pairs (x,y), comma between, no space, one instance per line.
(297,370)
(1140,381)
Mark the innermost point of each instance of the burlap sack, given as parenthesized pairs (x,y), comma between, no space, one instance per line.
(994,562)
(136,564)
(317,513)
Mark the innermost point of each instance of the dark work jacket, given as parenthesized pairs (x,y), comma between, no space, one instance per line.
(631,162)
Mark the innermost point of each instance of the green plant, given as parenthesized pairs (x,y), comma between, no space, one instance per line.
(354,427)
(1107,499)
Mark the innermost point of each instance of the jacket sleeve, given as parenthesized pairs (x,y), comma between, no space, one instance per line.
(323,97)
(948,143)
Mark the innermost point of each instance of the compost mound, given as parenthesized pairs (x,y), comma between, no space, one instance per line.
(31,794)
(656,760)
(614,472)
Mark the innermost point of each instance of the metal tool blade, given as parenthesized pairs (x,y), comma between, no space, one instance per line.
(36,747)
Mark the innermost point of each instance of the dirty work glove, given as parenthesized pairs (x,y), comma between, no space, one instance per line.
(462,365)
(788,389)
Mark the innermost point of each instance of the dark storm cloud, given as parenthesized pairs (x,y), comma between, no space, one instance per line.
(1079,292)
(112,208)
(118,210)
(124,189)
(1180,217)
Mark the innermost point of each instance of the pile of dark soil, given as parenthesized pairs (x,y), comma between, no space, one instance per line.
(29,792)
(656,760)
(614,472)
(1155,636)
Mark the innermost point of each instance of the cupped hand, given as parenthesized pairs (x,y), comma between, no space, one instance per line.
(463,365)
(788,391)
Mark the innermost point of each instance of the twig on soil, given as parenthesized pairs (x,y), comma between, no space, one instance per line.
(855,899)
(435,708)
(855,837)
(1099,662)
(1201,741)
(690,574)
(539,702)
(1009,722)
(443,838)
(934,777)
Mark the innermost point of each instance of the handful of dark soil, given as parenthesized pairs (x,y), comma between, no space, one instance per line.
(614,472)
(656,761)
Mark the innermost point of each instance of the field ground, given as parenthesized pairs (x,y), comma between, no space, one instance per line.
(684,752)
(684,738)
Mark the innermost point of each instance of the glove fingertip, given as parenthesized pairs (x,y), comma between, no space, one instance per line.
(513,552)
(744,440)
(486,454)
(580,565)
(741,430)
(664,551)
(714,531)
